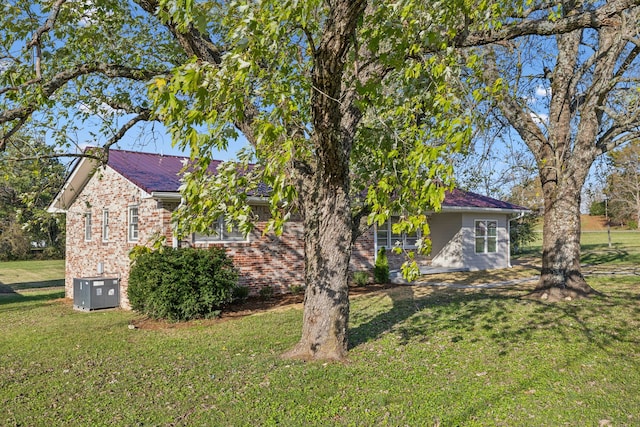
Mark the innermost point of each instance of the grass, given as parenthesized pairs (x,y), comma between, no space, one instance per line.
(419,355)
(625,248)
(19,275)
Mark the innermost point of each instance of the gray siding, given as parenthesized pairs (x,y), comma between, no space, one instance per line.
(447,249)
(485,261)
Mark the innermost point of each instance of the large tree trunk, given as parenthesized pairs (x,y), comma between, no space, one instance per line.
(324,192)
(327,239)
(561,277)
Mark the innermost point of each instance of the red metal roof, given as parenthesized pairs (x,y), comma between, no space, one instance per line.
(466,199)
(151,172)
(161,173)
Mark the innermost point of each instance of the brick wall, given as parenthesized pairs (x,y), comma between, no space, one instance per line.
(108,190)
(269,260)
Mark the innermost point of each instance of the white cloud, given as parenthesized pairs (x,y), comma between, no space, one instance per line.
(103,110)
(543,92)
(540,118)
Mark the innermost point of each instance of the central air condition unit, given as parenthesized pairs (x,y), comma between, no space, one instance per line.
(91,293)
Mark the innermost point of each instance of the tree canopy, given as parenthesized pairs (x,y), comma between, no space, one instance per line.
(351,109)
(29,181)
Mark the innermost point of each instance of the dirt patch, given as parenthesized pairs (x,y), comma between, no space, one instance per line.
(593,223)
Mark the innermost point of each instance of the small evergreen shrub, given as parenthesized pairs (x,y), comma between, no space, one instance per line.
(360,278)
(296,289)
(266,292)
(182,284)
(240,293)
(381,269)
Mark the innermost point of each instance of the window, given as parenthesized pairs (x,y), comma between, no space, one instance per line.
(87,226)
(385,237)
(105,225)
(220,233)
(486,236)
(133,224)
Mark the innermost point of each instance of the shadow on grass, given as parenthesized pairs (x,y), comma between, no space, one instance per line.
(12,298)
(599,254)
(20,292)
(500,315)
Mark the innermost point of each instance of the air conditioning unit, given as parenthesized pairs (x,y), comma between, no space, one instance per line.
(92,293)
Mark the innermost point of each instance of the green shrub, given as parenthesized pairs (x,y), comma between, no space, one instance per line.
(240,293)
(522,232)
(381,269)
(266,292)
(296,289)
(182,284)
(360,278)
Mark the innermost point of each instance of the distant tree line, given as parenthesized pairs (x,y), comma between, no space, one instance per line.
(620,200)
(30,178)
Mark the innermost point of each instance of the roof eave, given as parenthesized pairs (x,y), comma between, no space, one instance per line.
(474,209)
(175,195)
(73,185)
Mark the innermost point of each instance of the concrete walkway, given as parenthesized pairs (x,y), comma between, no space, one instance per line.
(478,286)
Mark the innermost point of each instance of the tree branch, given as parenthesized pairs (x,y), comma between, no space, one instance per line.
(36,40)
(598,18)
(59,80)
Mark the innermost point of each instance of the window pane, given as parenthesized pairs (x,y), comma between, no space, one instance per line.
(87,226)
(219,233)
(133,223)
(382,235)
(479,245)
(492,227)
(492,244)
(480,229)
(105,225)
(234,234)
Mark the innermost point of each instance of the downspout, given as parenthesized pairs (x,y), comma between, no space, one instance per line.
(520,215)
(175,243)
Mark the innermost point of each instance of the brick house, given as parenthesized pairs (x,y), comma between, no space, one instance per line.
(110,209)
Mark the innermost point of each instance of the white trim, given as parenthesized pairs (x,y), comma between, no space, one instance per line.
(391,239)
(486,237)
(221,227)
(470,209)
(73,185)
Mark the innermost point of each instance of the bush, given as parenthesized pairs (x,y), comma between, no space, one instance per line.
(266,292)
(522,232)
(296,289)
(597,208)
(360,278)
(182,284)
(381,269)
(240,293)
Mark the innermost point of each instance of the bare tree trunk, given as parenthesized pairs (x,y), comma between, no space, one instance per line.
(561,277)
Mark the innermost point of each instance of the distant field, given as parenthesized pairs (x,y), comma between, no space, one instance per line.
(18,275)
(625,247)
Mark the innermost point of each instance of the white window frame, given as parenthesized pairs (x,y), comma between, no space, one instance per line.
(133,228)
(105,225)
(220,234)
(389,239)
(485,237)
(87,226)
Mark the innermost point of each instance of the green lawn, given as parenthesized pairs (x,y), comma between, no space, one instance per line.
(16,275)
(419,356)
(625,248)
